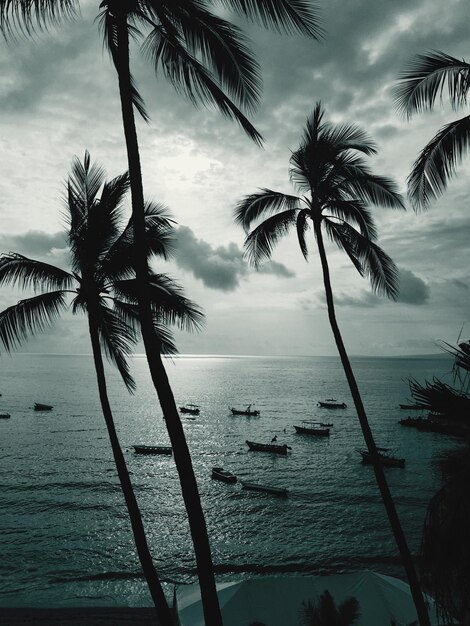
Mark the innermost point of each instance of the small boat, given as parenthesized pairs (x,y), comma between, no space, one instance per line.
(4,416)
(277,491)
(192,409)
(153,449)
(267,447)
(328,404)
(248,411)
(312,428)
(218,473)
(326,425)
(411,407)
(42,407)
(412,421)
(385,459)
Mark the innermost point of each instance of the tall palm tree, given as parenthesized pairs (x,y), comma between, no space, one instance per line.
(102,284)
(420,83)
(336,185)
(207,59)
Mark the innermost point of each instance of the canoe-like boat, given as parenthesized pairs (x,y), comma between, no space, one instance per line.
(42,407)
(218,473)
(192,409)
(412,407)
(312,428)
(267,447)
(332,405)
(385,459)
(248,411)
(153,449)
(277,491)
(4,416)
(412,421)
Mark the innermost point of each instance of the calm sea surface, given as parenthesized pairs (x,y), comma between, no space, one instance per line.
(65,539)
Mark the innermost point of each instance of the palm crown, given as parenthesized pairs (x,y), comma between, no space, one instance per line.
(102,278)
(420,83)
(337,187)
(202,55)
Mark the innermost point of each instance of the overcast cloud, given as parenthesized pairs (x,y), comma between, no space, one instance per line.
(58,97)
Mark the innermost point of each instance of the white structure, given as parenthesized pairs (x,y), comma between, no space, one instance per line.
(276,601)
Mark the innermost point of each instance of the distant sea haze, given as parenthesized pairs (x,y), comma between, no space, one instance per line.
(65,538)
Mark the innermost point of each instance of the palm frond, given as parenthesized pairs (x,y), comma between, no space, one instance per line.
(341,237)
(26,17)
(355,212)
(349,137)
(284,16)
(223,49)
(29,317)
(190,78)
(420,83)
(360,183)
(437,163)
(260,242)
(117,339)
(16,269)
(302,227)
(264,202)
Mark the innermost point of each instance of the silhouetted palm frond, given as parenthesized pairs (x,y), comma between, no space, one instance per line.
(261,204)
(16,269)
(260,242)
(26,17)
(437,162)
(302,225)
(424,79)
(355,212)
(29,317)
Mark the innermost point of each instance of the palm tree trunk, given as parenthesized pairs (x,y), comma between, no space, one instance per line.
(160,380)
(158,596)
(369,439)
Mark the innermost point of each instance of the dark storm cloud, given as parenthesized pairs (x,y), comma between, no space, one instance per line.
(34,243)
(413,290)
(221,267)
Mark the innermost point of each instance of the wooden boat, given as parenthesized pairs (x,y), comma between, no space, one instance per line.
(4,416)
(326,425)
(192,409)
(153,449)
(412,421)
(218,473)
(385,459)
(312,428)
(248,411)
(332,405)
(42,407)
(277,491)
(267,447)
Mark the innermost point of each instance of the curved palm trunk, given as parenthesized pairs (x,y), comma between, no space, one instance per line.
(369,439)
(161,605)
(160,380)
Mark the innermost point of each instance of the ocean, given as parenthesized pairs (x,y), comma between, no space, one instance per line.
(65,538)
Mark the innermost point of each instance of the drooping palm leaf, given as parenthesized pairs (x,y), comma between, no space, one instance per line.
(423,80)
(263,203)
(361,184)
(16,269)
(30,317)
(302,227)
(29,16)
(437,162)
(355,212)
(340,235)
(260,242)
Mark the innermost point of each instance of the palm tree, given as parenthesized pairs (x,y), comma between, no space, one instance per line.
(207,59)
(326,613)
(103,287)
(336,185)
(420,83)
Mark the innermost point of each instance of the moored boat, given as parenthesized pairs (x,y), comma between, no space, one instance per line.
(277,491)
(309,427)
(412,421)
(218,473)
(384,459)
(327,404)
(267,447)
(4,416)
(42,407)
(248,411)
(153,449)
(412,407)
(192,409)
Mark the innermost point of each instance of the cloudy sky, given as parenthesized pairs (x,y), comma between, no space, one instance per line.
(58,97)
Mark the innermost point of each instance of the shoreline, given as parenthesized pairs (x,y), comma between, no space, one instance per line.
(80,616)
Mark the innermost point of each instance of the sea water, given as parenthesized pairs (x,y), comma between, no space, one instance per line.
(65,538)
